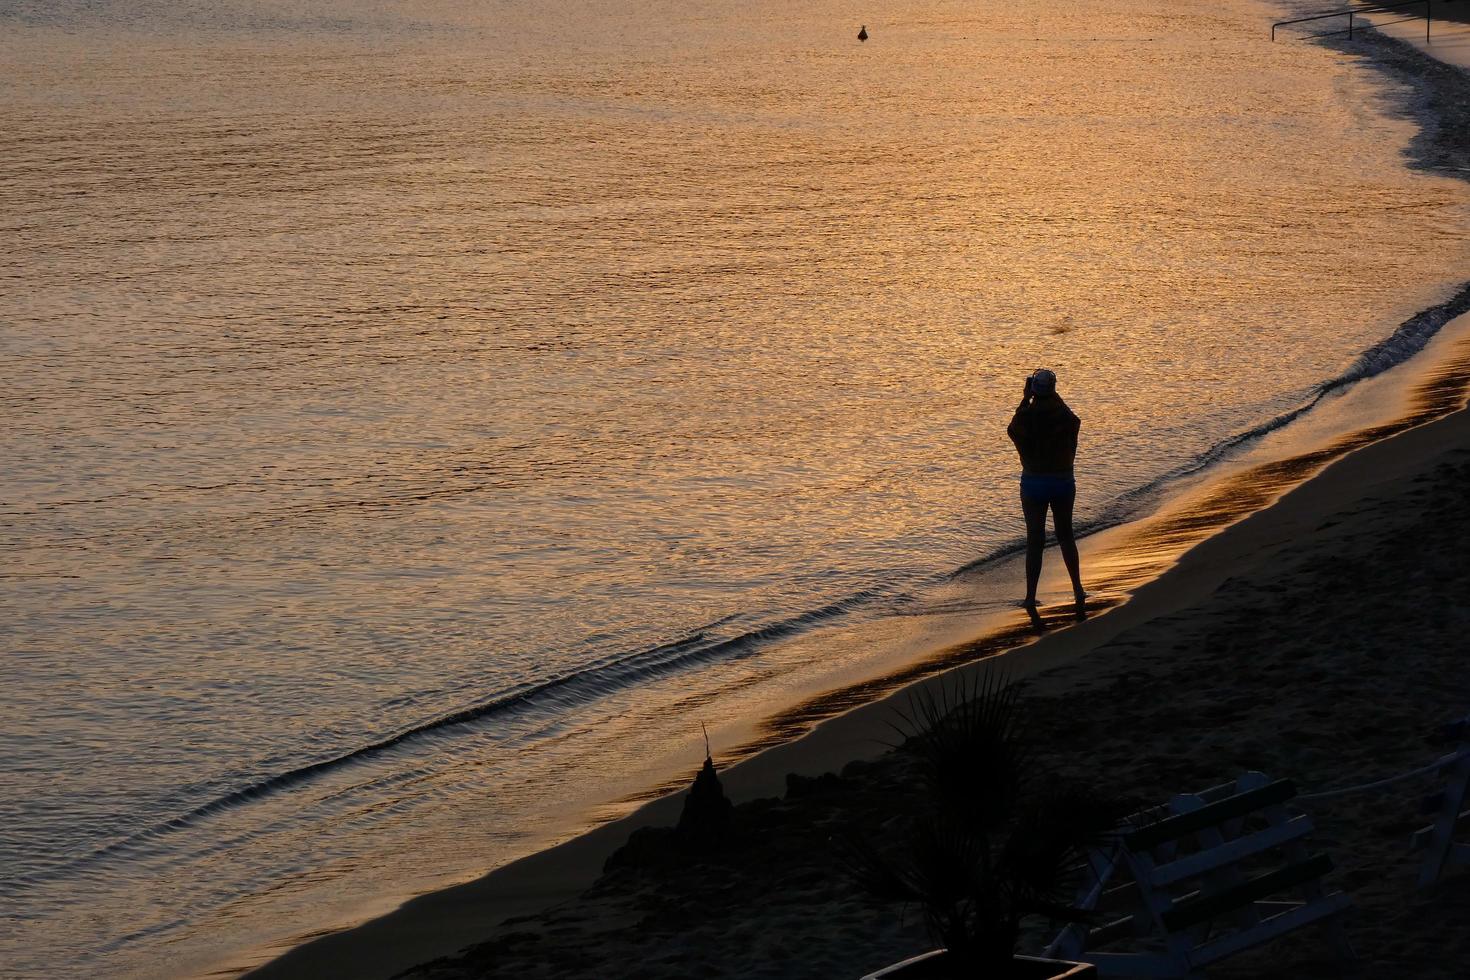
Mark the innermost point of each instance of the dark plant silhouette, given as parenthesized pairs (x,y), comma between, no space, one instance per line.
(998,841)
(706,817)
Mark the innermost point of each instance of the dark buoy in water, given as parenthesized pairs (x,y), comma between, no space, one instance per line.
(863,33)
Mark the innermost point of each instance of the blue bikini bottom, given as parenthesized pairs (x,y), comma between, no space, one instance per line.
(1047,488)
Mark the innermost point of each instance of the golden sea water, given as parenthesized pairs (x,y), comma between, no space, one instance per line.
(421,416)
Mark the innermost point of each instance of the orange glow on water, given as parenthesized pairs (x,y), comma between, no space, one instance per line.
(413,409)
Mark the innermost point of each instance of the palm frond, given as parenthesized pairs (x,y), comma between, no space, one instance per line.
(967,734)
(997,842)
(1042,859)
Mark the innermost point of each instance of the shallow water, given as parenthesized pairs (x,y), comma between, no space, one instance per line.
(539,368)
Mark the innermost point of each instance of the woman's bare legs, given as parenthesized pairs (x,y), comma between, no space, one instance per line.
(1061,515)
(1035,511)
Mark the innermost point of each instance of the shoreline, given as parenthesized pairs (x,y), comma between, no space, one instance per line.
(825,733)
(437,924)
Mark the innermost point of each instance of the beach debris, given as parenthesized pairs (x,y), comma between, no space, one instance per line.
(707,811)
(706,815)
(706,828)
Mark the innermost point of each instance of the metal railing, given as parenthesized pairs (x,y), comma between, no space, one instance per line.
(1351,12)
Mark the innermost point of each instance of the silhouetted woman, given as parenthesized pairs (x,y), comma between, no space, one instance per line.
(1045,433)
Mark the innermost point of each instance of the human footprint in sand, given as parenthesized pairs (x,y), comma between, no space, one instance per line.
(1045,430)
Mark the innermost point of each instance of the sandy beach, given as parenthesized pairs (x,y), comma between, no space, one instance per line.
(1320,638)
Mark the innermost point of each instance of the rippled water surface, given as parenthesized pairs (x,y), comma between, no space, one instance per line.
(418,415)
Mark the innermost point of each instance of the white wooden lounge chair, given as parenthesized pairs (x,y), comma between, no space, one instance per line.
(1204,878)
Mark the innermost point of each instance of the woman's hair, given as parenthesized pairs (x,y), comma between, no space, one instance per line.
(1043,382)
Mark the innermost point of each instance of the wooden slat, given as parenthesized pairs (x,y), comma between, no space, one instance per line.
(1272,906)
(1110,933)
(1441,843)
(1172,828)
(1152,815)
(1251,780)
(1206,907)
(1423,835)
(1230,852)
(1278,925)
(1101,862)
